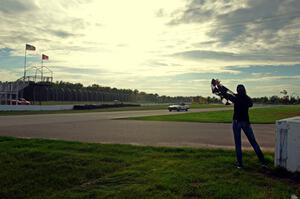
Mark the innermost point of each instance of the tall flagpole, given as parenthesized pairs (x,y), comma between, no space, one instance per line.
(42,75)
(25,63)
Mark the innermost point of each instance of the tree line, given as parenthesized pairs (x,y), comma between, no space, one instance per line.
(132,95)
(140,96)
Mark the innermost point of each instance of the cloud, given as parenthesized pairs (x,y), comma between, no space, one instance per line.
(16,6)
(229,56)
(203,11)
(9,75)
(5,52)
(160,13)
(250,24)
(62,34)
(79,70)
(10,61)
(39,23)
(268,70)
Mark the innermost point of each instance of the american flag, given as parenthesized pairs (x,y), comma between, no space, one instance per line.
(45,57)
(30,47)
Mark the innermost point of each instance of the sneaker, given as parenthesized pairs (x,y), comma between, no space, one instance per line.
(264,166)
(239,166)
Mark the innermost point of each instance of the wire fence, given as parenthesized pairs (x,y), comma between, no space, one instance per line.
(44,94)
(37,93)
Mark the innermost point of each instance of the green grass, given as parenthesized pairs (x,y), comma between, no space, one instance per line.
(141,108)
(192,106)
(32,168)
(266,115)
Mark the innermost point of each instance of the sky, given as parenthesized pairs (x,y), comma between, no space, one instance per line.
(169,47)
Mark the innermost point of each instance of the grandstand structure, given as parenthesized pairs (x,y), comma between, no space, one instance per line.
(10,92)
(37,86)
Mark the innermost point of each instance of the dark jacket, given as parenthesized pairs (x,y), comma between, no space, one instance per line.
(241,106)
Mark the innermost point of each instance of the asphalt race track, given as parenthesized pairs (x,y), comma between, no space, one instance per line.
(107,127)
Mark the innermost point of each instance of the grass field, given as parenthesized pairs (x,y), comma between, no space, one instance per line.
(266,115)
(143,107)
(31,168)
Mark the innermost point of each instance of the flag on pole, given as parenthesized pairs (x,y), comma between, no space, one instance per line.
(30,47)
(45,57)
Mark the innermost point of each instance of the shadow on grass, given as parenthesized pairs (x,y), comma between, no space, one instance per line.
(280,173)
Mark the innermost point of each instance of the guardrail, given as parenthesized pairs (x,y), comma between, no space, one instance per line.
(35,107)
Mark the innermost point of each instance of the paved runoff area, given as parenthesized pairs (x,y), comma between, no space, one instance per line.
(107,127)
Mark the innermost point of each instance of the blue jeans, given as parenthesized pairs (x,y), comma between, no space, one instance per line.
(237,126)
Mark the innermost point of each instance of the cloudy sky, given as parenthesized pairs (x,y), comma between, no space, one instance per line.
(170,47)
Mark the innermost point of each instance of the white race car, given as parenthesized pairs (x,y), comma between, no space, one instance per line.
(178,107)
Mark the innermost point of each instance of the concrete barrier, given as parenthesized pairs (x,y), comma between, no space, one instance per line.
(288,144)
(35,107)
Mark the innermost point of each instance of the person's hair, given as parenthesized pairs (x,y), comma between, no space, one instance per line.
(241,90)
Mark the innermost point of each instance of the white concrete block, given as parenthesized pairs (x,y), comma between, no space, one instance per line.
(287,149)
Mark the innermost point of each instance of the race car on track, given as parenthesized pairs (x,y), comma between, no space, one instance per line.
(178,107)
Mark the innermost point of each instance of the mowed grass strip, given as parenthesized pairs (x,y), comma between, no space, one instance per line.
(32,168)
(267,115)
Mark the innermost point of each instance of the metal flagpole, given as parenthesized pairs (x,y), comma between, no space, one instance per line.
(35,74)
(42,70)
(25,63)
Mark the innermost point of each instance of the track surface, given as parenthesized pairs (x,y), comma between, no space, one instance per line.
(104,127)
